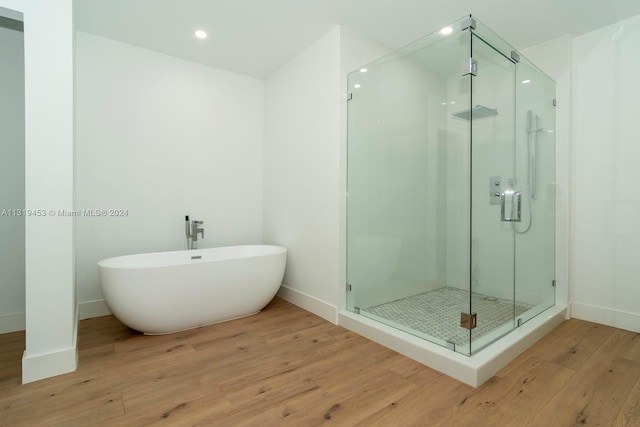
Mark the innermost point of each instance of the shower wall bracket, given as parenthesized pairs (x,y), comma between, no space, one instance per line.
(469,66)
(468,23)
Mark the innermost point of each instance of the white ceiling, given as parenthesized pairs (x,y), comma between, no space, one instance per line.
(256,37)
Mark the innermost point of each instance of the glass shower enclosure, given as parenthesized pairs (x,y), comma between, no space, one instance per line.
(451,188)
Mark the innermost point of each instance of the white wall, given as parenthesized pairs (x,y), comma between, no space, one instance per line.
(162,138)
(301,171)
(605,153)
(49,247)
(12,287)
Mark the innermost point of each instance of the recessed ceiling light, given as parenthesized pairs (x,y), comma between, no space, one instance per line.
(201,34)
(524,82)
(363,70)
(446,30)
(357,86)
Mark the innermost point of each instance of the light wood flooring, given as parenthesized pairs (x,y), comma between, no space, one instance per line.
(287,367)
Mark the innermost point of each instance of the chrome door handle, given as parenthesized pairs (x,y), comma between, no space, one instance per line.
(515,214)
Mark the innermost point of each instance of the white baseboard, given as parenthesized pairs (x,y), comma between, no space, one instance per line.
(309,303)
(41,366)
(606,316)
(12,323)
(91,309)
(86,310)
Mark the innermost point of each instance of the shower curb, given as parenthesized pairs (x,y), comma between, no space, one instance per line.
(471,370)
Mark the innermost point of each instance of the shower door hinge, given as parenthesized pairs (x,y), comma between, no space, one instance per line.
(470,66)
(349,96)
(468,320)
(348,287)
(553,283)
(468,23)
(515,56)
(519,322)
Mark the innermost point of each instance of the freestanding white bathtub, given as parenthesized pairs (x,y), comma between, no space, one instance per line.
(165,292)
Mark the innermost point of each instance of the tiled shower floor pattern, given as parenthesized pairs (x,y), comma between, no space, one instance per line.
(437,313)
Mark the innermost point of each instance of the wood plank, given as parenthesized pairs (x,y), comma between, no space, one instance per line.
(277,388)
(629,415)
(518,396)
(631,348)
(596,393)
(138,346)
(168,387)
(428,405)
(360,373)
(63,406)
(181,412)
(570,345)
(100,415)
(264,412)
(352,406)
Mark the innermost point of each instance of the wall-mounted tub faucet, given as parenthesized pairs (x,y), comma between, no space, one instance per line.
(191,230)
(195,229)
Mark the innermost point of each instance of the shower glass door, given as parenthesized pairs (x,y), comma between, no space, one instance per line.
(496,199)
(513,189)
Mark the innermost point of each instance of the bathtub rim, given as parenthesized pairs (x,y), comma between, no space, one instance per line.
(110,263)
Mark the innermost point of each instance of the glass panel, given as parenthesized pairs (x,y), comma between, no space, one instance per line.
(535,162)
(492,39)
(408,188)
(495,192)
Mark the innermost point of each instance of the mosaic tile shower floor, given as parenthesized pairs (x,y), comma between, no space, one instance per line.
(437,313)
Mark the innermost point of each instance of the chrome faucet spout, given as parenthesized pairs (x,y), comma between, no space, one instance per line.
(195,229)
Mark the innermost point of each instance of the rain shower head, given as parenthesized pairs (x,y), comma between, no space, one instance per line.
(478,112)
